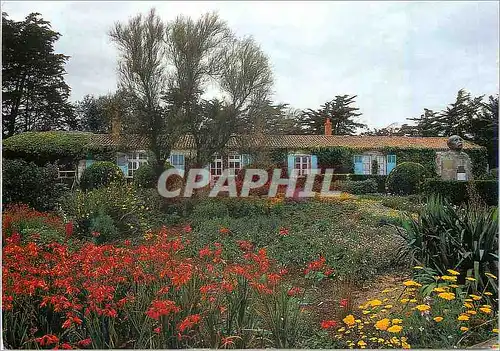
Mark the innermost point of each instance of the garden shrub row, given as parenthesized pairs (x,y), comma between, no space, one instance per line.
(456,192)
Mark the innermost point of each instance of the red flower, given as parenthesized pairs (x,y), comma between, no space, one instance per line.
(157,330)
(294,291)
(187,228)
(66,346)
(47,340)
(328,272)
(328,324)
(245,245)
(205,252)
(189,322)
(283,231)
(344,303)
(160,308)
(85,342)
(69,229)
(96,234)
(224,230)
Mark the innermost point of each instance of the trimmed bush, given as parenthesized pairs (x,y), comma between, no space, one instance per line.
(407,178)
(25,182)
(145,176)
(360,187)
(99,174)
(456,192)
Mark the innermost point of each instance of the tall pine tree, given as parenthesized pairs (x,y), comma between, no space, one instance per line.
(341,112)
(34,93)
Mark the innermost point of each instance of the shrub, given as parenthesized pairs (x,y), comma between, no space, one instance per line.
(407,178)
(444,236)
(360,187)
(456,191)
(28,183)
(99,174)
(103,228)
(133,212)
(145,176)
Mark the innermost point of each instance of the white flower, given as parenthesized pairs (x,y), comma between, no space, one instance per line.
(421,329)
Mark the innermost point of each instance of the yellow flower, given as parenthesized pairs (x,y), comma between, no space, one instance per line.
(453,286)
(418,267)
(405,345)
(358,320)
(382,324)
(366,312)
(385,300)
(447,295)
(413,300)
(439,290)
(404,300)
(452,272)
(487,306)
(386,291)
(490,275)
(374,303)
(349,320)
(411,283)
(449,277)
(395,329)
(475,297)
(488,293)
(397,321)
(438,319)
(471,312)
(361,343)
(423,308)
(383,310)
(340,330)
(468,305)
(495,330)
(471,279)
(485,310)
(388,306)
(463,317)
(464,329)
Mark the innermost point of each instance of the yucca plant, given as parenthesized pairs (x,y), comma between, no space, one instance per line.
(444,236)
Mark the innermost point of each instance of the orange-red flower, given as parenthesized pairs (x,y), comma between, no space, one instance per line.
(188,322)
(328,324)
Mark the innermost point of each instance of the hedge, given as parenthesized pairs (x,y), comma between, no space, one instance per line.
(456,191)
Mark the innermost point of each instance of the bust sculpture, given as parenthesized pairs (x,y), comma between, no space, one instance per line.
(454,164)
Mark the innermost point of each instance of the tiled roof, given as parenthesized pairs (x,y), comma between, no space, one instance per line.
(293,142)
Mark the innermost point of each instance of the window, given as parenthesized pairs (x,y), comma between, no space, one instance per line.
(135,160)
(216,167)
(382,166)
(234,164)
(391,158)
(303,164)
(367,164)
(177,161)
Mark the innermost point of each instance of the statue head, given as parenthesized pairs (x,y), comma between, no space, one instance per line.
(455,143)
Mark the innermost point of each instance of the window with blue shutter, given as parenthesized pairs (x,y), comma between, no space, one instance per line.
(246,159)
(391,163)
(314,162)
(122,162)
(358,164)
(88,163)
(290,163)
(178,161)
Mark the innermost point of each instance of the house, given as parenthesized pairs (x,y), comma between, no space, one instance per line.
(361,155)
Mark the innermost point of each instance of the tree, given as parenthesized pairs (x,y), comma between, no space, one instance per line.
(34,93)
(206,51)
(426,124)
(484,129)
(265,117)
(341,113)
(143,76)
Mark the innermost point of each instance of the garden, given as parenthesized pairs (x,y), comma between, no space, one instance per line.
(114,265)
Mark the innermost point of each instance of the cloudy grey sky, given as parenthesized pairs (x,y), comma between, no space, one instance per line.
(398,57)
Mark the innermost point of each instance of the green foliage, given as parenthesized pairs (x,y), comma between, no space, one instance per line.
(479,159)
(34,93)
(145,177)
(99,174)
(25,182)
(457,193)
(133,212)
(379,179)
(341,159)
(104,225)
(445,236)
(411,203)
(375,167)
(407,178)
(43,147)
(426,157)
(360,187)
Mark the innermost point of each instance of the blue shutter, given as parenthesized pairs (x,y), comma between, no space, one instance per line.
(122,162)
(246,159)
(290,163)
(391,163)
(358,164)
(88,163)
(314,162)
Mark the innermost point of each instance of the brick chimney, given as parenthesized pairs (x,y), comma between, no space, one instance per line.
(328,127)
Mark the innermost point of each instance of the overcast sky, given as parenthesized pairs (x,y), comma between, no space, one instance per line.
(397,57)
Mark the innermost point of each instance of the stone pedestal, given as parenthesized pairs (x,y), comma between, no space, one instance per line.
(449,162)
